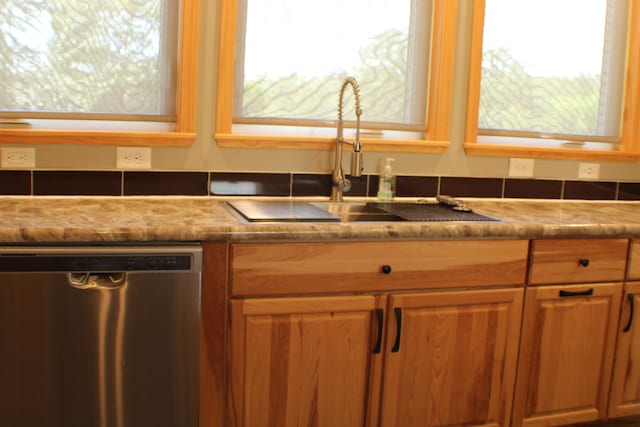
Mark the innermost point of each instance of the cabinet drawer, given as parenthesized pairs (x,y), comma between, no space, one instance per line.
(296,268)
(577,260)
(634,260)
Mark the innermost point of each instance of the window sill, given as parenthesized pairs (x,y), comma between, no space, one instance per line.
(38,136)
(327,143)
(475,149)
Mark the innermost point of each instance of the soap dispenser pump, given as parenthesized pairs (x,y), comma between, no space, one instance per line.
(387,184)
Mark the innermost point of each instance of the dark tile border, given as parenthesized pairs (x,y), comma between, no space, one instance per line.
(311,185)
(250,184)
(590,190)
(408,186)
(77,183)
(188,183)
(532,189)
(471,187)
(166,184)
(15,183)
(629,191)
(322,184)
(417,186)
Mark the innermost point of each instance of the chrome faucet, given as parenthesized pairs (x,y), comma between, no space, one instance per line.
(340,183)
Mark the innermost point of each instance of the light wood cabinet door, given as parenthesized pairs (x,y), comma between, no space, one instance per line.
(299,362)
(625,386)
(566,354)
(634,261)
(450,358)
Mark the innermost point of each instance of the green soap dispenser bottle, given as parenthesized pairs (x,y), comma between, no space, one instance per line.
(387,184)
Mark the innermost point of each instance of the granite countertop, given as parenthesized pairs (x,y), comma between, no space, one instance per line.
(171,219)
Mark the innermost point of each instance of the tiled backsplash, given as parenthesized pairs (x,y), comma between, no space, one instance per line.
(249,184)
(134,183)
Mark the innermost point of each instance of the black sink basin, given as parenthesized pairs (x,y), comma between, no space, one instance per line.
(374,211)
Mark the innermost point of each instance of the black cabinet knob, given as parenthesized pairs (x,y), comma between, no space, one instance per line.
(584,262)
(386,269)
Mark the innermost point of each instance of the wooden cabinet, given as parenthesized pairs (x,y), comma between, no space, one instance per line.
(450,358)
(568,335)
(625,385)
(298,358)
(315,361)
(566,354)
(429,334)
(303,361)
(624,398)
(634,261)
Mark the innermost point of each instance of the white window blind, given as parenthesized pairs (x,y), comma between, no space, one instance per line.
(553,69)
(292,56)
(89,59)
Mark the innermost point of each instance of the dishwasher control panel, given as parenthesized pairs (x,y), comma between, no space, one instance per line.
(15,262)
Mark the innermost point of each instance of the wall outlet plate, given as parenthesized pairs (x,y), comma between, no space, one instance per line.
(133,157)
(589,170)
(522,168)
(18,157)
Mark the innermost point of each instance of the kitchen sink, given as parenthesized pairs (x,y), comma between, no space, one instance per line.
(357,212)
(302,211)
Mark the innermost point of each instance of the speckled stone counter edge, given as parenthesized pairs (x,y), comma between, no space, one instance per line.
(102,220)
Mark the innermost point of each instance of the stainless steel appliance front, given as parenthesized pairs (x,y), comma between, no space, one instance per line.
(99,336)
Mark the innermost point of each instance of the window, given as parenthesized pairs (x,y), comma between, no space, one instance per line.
(281,65)
(98,71)
(547,79)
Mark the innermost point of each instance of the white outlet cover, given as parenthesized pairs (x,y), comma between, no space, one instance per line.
(522,168)
(133,158)
(18,157)
(589,170)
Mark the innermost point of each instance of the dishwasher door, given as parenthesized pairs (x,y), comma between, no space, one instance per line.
(99,336)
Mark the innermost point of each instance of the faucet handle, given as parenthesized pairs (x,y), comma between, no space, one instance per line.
(345,185)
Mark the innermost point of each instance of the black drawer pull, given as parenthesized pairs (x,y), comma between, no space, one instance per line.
(586,293)
(631,309)
(380,317)
(386,269)
(396,345)
(584,262)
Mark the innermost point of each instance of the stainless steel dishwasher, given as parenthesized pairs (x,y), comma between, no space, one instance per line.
(99,336)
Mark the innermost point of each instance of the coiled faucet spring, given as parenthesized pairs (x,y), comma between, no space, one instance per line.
(356,93)
(340,183)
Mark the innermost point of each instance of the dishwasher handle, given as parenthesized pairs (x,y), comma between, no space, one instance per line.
(88,280)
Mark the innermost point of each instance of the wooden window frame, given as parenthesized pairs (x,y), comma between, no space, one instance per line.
(441,69)
(185,132)
(630,130)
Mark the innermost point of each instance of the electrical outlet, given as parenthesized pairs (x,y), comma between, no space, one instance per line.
(133,157)
(589,170)
(18,157)
(521,167)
